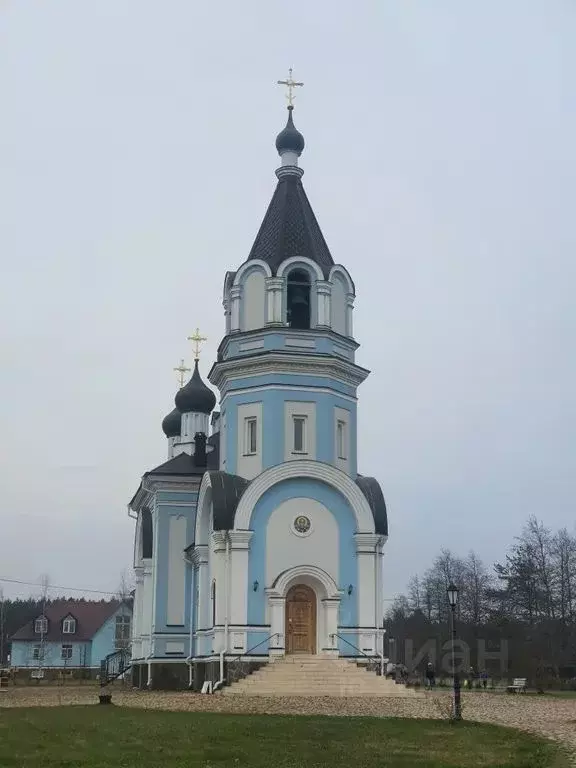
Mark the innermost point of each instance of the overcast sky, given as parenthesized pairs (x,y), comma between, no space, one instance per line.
(136,163)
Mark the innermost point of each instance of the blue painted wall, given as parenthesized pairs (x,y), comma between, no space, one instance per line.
(345,518)
(22,652)
(273,402)
(164,508)
(103,640)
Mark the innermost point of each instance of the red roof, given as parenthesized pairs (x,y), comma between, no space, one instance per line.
(90,616)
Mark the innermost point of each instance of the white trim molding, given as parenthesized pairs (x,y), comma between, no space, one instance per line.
(314,470)
(295,575)
(338,269)
(294,261)
(252,263)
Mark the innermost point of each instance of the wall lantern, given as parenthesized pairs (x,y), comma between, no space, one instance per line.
(255,586)
(350,589)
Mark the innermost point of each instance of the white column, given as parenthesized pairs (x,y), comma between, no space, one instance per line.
(222,579)
(350,315)
(274,288)
(226,305)
(137,614)
(277,619)
(330,641)
(200,560)
(235,296)
(366,546)
(240,546)
(324,296)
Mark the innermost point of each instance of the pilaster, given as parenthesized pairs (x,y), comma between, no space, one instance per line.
(277,607)
(324,301)
(367,545)
(274,288)
(350,315)
(240,546)
(199,558)
(235,296)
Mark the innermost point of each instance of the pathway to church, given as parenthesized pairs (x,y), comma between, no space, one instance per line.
(550,717)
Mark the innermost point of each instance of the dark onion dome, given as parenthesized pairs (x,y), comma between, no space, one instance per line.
(290,139)
(195,397)
(172,423)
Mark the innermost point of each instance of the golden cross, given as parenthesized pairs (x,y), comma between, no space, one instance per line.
(197,339)
(290,83)
(182,370)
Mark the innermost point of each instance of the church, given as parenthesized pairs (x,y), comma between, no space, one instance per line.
(258,538)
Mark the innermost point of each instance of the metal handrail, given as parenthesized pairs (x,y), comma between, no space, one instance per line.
(238,657)
(245,653)
(370,658)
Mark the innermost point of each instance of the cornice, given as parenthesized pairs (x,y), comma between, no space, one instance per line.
(240,539)
(367,542)
(166,482)
(287,363)
(199,555)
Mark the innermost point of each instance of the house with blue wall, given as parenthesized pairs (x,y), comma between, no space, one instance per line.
(72,635)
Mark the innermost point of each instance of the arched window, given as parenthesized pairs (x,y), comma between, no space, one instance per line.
(298,299)
(213,597)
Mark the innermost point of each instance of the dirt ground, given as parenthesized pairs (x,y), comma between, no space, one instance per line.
(549,717)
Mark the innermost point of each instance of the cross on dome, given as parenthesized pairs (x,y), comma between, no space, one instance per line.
(181,370)
(290,84)
(197,340)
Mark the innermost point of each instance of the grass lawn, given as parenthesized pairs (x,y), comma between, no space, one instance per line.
(113,737)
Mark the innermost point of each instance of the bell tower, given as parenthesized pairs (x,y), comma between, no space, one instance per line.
(286,366)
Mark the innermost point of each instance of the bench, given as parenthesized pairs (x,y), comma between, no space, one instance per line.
(518,685)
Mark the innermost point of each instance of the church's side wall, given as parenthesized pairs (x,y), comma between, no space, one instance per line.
(325,408)
(175,520)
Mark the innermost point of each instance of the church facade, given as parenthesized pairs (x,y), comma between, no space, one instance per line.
(258,537)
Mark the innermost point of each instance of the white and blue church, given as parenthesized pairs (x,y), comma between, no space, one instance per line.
(258,537)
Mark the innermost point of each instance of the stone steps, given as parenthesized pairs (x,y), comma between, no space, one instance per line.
(316,676)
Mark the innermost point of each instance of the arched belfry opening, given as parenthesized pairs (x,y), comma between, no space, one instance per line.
(298,299)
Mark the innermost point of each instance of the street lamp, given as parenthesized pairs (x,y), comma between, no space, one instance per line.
(453,600)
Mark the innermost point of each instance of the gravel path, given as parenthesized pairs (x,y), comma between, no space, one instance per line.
(546,716)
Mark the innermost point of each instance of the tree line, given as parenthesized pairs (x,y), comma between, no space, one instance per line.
(529,600)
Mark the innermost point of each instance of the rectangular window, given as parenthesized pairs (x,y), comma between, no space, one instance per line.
(341,440)
(69,626)
(41,626)
(299,428)
(251,443)
(122,636)
(66,652)
(37,652)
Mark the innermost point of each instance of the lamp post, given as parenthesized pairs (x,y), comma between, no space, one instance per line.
(453,600)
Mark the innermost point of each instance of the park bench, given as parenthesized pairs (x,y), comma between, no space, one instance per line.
(518,685)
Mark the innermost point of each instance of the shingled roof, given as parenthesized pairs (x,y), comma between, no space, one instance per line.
(290,228)
(90,615)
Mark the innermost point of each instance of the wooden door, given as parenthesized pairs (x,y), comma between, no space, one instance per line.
(301,620)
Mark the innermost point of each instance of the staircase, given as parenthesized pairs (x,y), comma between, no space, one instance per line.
(114,665)
(301,675)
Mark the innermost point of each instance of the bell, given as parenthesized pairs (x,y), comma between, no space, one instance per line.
(299,297)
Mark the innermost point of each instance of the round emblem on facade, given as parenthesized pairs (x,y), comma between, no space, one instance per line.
(302,524)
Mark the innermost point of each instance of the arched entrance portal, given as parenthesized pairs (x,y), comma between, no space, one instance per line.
(301,620)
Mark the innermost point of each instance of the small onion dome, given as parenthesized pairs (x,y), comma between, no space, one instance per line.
(290,139)
(195,397)
(172,423)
